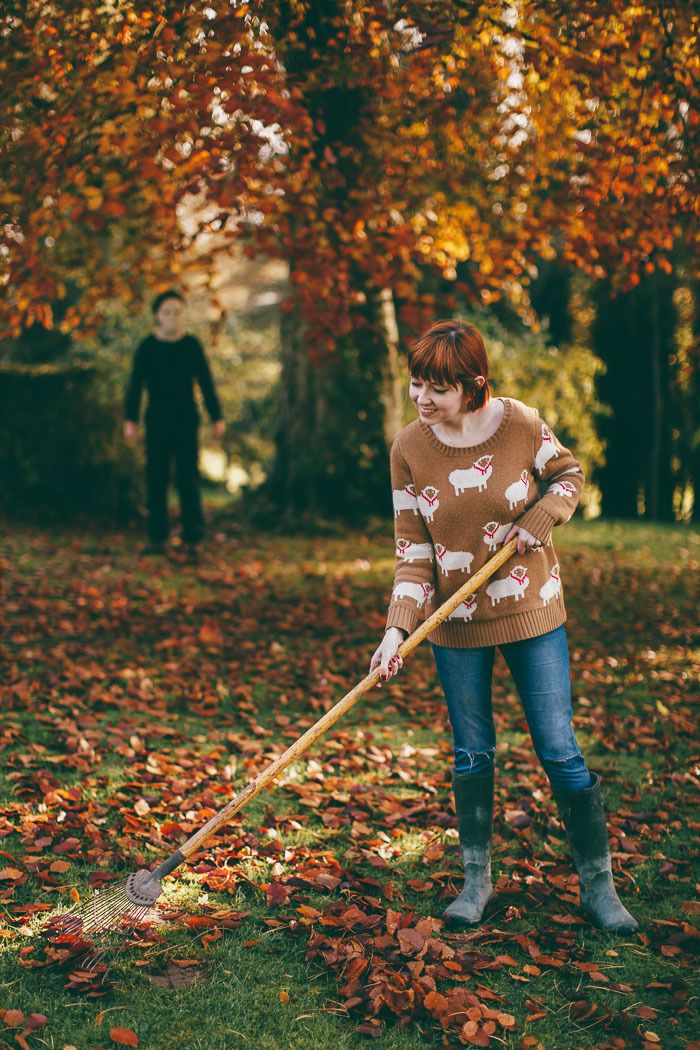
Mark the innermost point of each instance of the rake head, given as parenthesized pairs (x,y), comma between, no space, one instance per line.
(117,909)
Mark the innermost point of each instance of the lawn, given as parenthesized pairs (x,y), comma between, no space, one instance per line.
(138,695)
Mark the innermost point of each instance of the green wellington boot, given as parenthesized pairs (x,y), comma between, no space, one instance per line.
(583,816)
(474,805)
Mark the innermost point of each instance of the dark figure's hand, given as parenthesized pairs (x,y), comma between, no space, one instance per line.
(219,429)
(131,431)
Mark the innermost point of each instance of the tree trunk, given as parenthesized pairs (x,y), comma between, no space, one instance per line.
(550,296)
(651,509)
(624,387)
(337,417)
(634,334)
(691,420)
(339,413)
(661,333)
(394,378)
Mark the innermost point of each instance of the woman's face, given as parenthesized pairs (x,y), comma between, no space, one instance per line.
(436,403)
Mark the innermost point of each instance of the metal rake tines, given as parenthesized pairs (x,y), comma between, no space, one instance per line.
(109,944)
(94,950)
(99,927)
(119,908)
(103,912)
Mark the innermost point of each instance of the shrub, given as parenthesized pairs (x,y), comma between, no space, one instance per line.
(61,450)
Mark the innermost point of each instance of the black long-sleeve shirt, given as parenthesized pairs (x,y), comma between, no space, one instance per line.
(168,370)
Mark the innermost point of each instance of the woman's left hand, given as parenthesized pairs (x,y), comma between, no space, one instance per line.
(525,539)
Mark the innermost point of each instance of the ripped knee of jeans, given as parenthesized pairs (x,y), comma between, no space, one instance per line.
(473,762)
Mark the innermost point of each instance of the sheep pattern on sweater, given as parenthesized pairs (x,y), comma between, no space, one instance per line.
(453,508)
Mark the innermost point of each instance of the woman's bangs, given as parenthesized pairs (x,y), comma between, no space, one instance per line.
(433,361)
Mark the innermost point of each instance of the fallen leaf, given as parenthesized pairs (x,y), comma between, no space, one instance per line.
(11,873)
(124,1036)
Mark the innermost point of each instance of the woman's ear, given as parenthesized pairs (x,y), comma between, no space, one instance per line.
(472,396)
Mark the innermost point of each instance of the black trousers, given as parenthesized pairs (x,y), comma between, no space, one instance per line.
(165,443)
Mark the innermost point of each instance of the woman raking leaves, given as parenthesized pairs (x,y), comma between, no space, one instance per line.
(465,479)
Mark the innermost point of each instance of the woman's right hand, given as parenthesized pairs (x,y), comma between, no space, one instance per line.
(386,657)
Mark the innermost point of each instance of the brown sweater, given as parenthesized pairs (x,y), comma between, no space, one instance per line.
(453,507)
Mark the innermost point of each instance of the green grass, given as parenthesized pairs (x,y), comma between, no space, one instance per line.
(107,666)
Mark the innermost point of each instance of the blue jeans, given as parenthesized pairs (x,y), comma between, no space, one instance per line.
(540,670)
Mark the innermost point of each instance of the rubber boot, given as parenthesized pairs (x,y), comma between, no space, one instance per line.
(474,805)
(583,816)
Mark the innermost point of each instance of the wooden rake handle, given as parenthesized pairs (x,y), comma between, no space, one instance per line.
(331,717)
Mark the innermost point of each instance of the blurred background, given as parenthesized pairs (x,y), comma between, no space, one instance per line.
(322,182)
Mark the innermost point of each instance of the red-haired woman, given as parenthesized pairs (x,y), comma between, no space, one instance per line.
(465,479)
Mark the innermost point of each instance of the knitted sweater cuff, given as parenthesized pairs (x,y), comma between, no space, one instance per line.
(538,522)
(400,616)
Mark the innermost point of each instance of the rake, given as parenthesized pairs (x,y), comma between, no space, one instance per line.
(121,907)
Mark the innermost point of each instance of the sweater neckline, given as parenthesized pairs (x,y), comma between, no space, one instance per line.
(168,342)
(483,446)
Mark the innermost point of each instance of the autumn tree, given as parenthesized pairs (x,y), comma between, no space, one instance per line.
(113,117)
(367,144)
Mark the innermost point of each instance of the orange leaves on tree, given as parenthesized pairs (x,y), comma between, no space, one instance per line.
(399,146)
